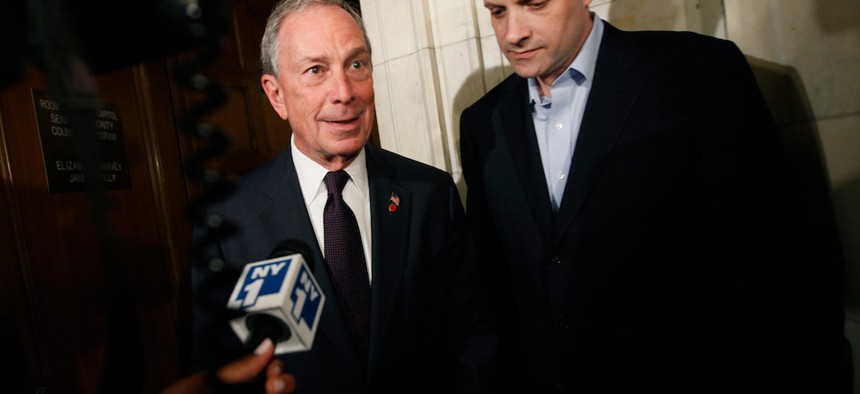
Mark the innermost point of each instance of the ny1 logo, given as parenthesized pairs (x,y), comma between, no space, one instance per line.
(264,279)
(306,298)
(268,279)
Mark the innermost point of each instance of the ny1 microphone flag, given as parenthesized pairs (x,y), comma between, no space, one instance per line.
(285,289)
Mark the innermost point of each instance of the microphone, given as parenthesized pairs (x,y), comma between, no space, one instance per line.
(281,298)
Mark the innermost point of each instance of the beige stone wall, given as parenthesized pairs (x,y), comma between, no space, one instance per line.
(433,58)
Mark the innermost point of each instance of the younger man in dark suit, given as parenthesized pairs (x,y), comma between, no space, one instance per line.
(630,188)
(411,317)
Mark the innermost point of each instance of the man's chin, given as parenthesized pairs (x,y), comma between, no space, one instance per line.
(349,148)
(523,71)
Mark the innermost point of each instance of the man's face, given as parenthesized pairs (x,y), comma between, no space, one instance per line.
(540,38)
(324,85)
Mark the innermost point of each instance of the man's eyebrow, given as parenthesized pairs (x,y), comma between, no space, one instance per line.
(311,59)
(357,52)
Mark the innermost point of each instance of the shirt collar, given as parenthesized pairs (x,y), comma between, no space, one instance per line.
(584,63)
(311,174)
(586,60)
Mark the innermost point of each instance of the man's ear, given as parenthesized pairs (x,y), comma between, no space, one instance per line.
(275,94)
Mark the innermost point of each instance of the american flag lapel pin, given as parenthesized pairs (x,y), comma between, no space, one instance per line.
(393,202)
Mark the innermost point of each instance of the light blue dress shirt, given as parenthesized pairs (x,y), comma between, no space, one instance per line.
(557,118)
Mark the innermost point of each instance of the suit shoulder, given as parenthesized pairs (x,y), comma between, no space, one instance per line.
(407,167)
(492,97)
(682,44)
(244,189)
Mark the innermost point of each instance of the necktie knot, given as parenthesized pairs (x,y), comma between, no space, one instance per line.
(335,181)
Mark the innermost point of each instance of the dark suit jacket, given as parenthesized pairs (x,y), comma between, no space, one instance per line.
(427,320)
(674,263)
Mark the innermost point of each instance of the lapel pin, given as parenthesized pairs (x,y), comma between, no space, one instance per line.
(393,202)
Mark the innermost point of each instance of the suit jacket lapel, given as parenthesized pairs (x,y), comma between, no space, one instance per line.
(287,217)
(513,117)
(613,93)
(389,249)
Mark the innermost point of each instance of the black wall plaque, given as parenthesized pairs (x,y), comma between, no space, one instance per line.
(66,161)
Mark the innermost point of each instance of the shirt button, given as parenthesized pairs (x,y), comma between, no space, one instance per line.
(561,176)
(563,321)
(558,126)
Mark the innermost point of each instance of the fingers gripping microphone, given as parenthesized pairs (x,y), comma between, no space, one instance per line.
(282,299)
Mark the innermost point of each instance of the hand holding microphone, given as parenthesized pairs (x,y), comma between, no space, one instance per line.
(283,303)
(240,372)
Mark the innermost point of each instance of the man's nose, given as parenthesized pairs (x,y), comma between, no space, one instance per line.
(517,28)
(342,91)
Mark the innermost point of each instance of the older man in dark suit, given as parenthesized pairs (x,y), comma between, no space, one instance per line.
(629,187)
(404,310)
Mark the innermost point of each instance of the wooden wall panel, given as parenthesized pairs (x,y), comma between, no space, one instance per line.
(22,362)
(84,256)
(256,132)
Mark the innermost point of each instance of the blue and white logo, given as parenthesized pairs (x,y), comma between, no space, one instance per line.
(263,279)
(306,298)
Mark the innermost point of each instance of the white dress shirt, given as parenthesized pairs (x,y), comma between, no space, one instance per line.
(356,194)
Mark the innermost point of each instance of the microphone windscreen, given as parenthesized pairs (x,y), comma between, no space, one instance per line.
(293,246)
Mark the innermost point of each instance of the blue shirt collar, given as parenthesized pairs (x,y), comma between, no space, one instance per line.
(584,64)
